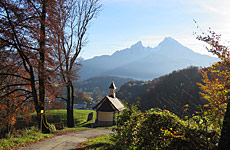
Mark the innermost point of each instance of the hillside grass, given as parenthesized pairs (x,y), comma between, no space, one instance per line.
(80,117)
(58,116)
(103,142)
(23,138)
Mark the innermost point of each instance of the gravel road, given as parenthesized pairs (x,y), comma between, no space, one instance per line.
(68,141)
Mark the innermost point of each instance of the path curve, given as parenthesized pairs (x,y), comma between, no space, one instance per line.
(68,141)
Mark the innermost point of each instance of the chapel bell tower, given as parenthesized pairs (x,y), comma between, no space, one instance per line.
(112,90)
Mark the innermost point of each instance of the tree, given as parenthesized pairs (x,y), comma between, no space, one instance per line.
(217,85)
(69,38)
(23,38)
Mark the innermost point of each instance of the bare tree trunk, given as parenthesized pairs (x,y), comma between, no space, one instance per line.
(72,98)
(70,119)
(41,73)
(68,106)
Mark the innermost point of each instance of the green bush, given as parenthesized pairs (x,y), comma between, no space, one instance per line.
(157,129)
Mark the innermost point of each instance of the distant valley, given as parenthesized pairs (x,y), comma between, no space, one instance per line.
(144,63)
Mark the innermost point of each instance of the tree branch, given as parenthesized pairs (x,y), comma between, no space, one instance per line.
(61,98)
(12,85)
(15,75)
(15,91)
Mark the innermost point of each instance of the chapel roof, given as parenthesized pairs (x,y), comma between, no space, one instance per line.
(116,103)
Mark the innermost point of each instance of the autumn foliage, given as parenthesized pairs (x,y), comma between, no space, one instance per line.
(27,60)
(216,86)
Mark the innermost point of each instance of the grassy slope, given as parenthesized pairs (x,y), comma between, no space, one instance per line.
(58,116)
(103,142)
(23,137)
(80,116)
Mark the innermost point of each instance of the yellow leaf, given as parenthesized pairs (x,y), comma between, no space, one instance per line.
(186,105)
(206,105)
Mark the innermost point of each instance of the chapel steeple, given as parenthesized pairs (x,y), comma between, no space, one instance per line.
(112,90)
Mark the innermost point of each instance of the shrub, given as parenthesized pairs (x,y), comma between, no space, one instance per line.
(157,129)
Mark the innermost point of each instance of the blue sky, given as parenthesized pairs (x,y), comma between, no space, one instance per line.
(122,23)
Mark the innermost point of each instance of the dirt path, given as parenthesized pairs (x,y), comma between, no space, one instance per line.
(68,141)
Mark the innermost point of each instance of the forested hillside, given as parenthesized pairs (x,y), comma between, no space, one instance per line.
(170,92)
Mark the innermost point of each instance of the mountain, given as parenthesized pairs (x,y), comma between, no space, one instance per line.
(98,87)
(144,63)
(170,92)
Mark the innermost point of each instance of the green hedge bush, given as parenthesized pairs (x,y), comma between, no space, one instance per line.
(157,129)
